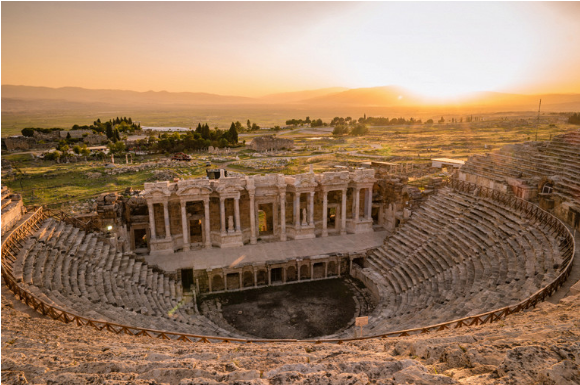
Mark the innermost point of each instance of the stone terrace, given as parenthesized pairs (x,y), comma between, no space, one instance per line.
(527,165)
(459,255)
(82,273)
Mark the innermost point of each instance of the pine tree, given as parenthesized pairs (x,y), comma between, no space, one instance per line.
(233,133)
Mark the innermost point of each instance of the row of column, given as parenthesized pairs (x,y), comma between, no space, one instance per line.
(238,227)
(368,206)
(305,222)
(185,224)
(253,237)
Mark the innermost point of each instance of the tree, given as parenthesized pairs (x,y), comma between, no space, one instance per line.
(430,121)
(233,134)
(359,130)
(53,155)
(62,146)
(339,130)
(249,124)
(116,147)
(574,118)
(109,130)
(28,131)
(68,136)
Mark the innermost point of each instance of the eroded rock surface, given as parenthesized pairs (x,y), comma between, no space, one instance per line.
(541,346)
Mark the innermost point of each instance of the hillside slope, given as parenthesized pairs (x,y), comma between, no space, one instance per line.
(539,346)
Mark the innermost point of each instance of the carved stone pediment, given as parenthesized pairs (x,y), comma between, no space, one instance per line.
(363,176)
(269,180)
(334,178)
(193,191)
(156,190)
(193,188)
(305,181)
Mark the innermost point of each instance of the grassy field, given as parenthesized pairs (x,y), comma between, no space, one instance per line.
(44,182)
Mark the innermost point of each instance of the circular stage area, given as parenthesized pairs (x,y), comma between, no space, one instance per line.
(300,311)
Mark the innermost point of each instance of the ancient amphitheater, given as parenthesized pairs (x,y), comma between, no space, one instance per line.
(458,278)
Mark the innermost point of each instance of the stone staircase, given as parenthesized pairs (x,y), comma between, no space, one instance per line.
(459,255)
(536,347)
(84,274)
(558,158)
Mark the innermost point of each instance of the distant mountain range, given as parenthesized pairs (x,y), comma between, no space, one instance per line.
(16,98)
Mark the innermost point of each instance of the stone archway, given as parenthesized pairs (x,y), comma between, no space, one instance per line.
(332,269)
(304,272)
(248,279)
(217,283)
(291,274)
(262,277)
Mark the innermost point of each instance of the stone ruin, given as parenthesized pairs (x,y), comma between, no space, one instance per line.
(12,209)
(270,143)
(546,173)
(49,140)
(458,251)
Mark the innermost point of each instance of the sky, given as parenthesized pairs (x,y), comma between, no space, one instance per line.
(259,48)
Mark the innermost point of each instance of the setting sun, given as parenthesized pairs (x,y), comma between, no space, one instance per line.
(252,49)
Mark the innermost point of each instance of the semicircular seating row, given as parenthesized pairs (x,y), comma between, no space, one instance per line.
(83,274)
(560,157)
(459,255)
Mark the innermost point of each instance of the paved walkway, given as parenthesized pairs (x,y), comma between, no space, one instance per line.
(262,252)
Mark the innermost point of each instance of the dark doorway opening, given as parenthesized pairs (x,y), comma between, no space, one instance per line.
(195,232)
(276,274)
(140,238)
(187,279)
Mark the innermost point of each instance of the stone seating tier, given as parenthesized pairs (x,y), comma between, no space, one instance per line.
(85,275)
(457,256)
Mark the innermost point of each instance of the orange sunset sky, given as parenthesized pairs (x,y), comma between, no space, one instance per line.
(253,49)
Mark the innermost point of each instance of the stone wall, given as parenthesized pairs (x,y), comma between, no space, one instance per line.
(12,209)
(14,143)
(270,143)
(75,134)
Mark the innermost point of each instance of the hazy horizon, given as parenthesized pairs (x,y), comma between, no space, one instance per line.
(436,49)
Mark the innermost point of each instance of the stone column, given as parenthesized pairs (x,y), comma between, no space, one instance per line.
(283,274)
(185,227)
(368,203)
(356,204)
(269,276)
(298,270)
(151,220)
(166,215)
(253,239)
(324,213)
(338,266)
(222,216)
(343,213)
(297,210)
(237,214)
(282,218)
(326,269)
(209,276)
(311,271)
(206,221)
(255,276)
(311,209)
(240,274)
(225,278)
